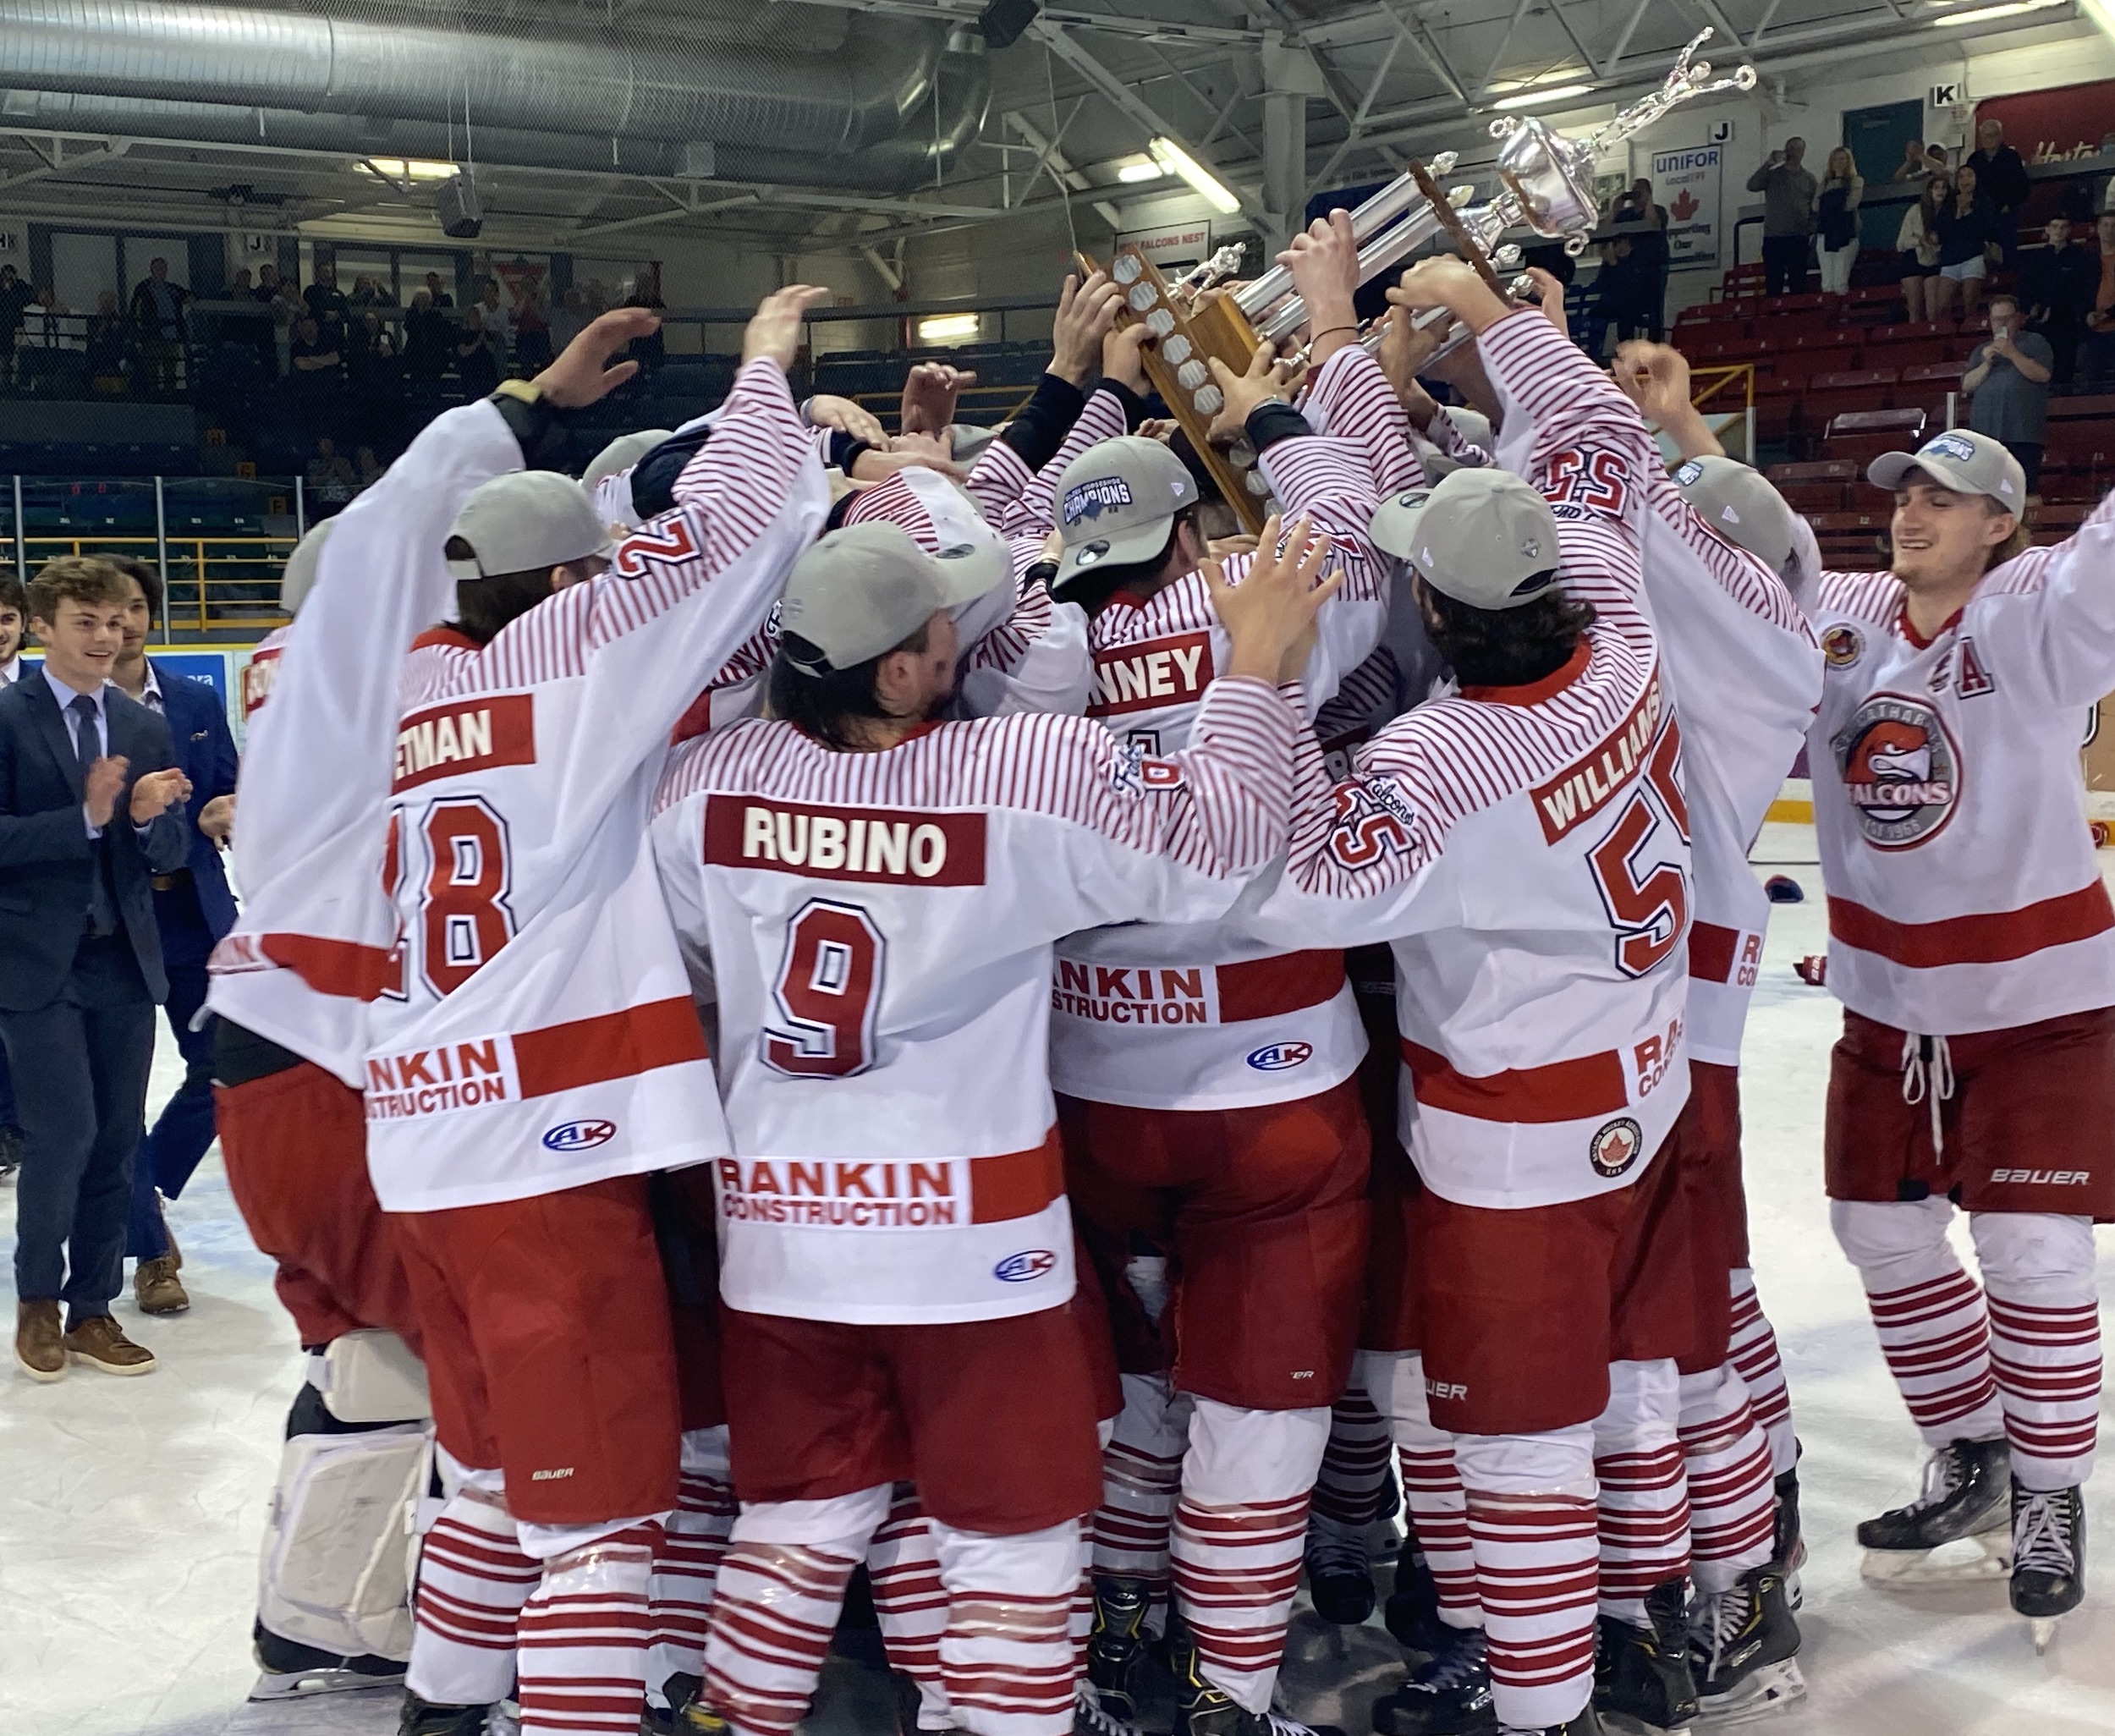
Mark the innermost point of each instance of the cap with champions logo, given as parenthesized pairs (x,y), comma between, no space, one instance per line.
(1114,504)
(1966,463)
(526,521)
(1483,537)
(1739,507)
(865,588)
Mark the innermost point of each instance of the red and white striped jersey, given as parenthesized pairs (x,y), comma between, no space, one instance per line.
(1745,675)
(1963,893)
(260,672)
(541,1033)
(1206,1016)
(311,945)
(1018,502)
(1526,852)
(877,927)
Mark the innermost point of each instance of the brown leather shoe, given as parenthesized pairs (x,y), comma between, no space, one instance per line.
(157,1290)
(38,1351)
(101,1343)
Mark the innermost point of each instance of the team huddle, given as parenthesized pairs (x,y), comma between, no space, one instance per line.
(921,1008)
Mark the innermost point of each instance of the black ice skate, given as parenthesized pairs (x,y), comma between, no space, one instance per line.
(1090,1717)
(1202,1710)
(1340,1571)
(2048,1556)
(1411,1611)
(1964,1498)
(1788,1552)
(1587,1723)
(1116,1650)
(291,1671)
(1742,1646)
(687,1715)
(1450,1695)
(421,1717)
(1643,1674)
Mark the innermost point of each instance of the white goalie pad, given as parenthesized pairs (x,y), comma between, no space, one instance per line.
(370,1375)
(334,1570)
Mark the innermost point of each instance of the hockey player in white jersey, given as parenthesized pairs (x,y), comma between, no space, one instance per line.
(537,1053)
(1215,1149)
(875,896)
(291,984)
(1972,943)
(1523,846)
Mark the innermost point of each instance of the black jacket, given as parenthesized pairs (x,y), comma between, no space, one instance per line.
(47,857)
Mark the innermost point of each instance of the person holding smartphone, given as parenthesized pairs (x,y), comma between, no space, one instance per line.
(2008,379)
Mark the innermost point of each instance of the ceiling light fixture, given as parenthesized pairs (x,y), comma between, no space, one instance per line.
(413,169)
(1556,93)
(1983,15)
(1133,173)
(1175,160)
(949,328)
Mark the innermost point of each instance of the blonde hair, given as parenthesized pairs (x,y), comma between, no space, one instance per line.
(1850,165)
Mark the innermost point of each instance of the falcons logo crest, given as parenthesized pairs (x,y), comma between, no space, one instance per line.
(1900,770)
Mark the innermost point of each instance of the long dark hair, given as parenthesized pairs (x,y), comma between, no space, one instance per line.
(1505,647)
(825,705)
(484,607)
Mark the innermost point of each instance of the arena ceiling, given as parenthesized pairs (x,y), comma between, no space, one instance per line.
(797,123)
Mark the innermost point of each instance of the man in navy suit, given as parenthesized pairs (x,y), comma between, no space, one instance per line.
(193,908)
(92,805)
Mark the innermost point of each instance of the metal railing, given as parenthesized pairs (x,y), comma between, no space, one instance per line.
(225,586)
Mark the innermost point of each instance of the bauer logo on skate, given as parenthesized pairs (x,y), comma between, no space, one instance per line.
(1586,786)
(888,847)
(1900,770)
(445,741)
(1156,672)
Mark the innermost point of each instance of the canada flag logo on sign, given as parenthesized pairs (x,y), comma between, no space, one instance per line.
(1684,207)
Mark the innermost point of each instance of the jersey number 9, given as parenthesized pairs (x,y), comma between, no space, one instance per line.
(825,993)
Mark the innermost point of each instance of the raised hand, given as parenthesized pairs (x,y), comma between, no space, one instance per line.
(584,371)
(1124,356)
(930,390)
(1323,259)
(1654,377)
(1263,381)
(1270,614)
(826,410)
(774,333)
(1085,312)
(157,793)
(99,789)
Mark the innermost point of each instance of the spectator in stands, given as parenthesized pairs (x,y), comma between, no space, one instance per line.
(2056,284)
(1645,223)
(1788,192)
(1836,217)
(434,293)
(1913,167)
(16,298)
(1935,160)
(108,348)
(497,320)
(193,908)
(570,321)
(2096,349)
(425,337)
(473,363)
(370,468)
(315,362)
(264,330)
(370,292)
(326,301)
(288,311)
(2008,381)
(330,478)
(1968,229)
(532,333)
(1618,292)
(651,350)
(157,312)
(2002,178)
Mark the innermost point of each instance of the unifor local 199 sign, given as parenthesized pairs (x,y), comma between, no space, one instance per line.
(1686,182)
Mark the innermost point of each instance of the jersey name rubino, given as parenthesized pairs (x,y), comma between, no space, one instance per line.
(455,739)
(312,943)
(844,843)
(1525,852)
(1263,1026)
(539,1034)
(1965,892)
(870,987)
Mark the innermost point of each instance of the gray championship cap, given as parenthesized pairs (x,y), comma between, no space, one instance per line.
(1739,507)
(527,521)
(621,454)
(302,566)
(865,588)
(1482,536)
(1966,463)
(1114,504)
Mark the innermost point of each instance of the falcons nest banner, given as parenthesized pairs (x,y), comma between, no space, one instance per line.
(1686,182)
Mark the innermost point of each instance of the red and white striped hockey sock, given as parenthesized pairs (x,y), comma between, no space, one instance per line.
(1240,1531)
(1532,1520)
(1431,1486)
(1733,1502)
(910,1603)
(1007,1656)
(1933,1328)
(1352,1487)
(585,1632)
(688,1561)
(473,1579)
(1644,1505)
(782,1584)
(1754,1354)
(1141,1472)
(2045,1331)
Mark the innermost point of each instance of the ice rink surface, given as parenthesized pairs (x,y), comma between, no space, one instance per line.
(130,1510)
